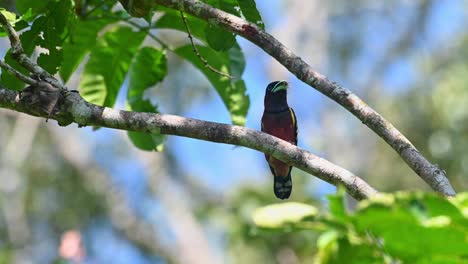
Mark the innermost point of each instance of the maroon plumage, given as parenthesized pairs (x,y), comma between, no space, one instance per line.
(279,120)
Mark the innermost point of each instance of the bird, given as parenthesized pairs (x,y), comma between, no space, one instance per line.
(279,120)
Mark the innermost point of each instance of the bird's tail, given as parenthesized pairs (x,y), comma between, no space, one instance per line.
(282,186)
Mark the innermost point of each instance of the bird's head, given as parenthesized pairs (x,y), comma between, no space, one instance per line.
(277,86)
(275,96)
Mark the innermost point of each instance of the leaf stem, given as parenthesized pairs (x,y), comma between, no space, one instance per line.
(197,52)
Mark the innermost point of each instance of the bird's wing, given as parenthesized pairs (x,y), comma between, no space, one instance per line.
(294,120)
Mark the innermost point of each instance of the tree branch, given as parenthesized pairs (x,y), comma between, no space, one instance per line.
(75,109)
(430,173)
(17,74)
(18,54)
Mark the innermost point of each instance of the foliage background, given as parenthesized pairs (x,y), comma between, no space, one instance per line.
(407,59)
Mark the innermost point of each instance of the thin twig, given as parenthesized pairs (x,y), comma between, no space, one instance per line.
(17,74)
(205,62)
(18,54)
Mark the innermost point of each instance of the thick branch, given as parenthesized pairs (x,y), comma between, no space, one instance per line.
(76,109)
(430,173)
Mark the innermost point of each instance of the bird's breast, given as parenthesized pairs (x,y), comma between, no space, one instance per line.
(280,125)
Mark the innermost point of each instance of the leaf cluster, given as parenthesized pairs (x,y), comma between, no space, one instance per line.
(406,227)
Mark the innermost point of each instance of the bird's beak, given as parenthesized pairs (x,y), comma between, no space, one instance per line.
(282,85)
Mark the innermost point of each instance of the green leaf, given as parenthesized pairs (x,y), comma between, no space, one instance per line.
(232,92)
(18,24)
(33,37)
(230,6)
(28,16)
(438,207)
(50,62)
(10,17)
(461,202)
(283,214)
(81,40)
(218,38)
(53,31)
(250,12)
(9,80)
(148,142)
(172,20)
(414,223)
(337,205)
(327,239)
(149,67)
(337,250)
(108,64)
(36,6)
(237,61)
(238,102)
(440,259)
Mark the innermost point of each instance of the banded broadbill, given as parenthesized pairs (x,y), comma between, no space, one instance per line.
(279,120)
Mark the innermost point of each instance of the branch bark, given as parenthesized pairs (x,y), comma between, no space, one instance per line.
(429,172)
(75,109)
